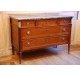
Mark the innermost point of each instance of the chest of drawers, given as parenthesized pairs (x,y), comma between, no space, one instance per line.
(39,32)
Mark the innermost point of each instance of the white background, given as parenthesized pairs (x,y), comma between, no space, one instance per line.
(37,70)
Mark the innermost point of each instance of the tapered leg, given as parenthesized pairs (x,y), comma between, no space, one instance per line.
(13,50)
(68,48)
(20,57)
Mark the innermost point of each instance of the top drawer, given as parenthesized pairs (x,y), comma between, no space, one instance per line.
(41,22)
(64,21)
(52,22)
(47,22)
(27,23)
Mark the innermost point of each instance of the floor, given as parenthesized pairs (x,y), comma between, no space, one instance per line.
(47,56)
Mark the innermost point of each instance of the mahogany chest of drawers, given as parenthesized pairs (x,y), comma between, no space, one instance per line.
(28,33)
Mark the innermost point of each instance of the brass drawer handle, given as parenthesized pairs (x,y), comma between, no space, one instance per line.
(28,23)
(28,32)
(28,43)
(64,29)
(63,39)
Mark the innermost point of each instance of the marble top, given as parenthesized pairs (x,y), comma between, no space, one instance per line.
(39,16)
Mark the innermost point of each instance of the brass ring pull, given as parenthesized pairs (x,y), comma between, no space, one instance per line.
(28,32)
(63,39)
(28,23)
(28,43)
(64,29)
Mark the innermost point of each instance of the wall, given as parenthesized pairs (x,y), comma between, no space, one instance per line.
(2,40)
(4,35)
(5,40)
(77,33)
(77,30)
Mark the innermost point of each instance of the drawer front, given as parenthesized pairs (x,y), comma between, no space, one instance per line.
(64,21)
(41,31)
(32,43)
(51,22)
(32,32)
(45,41)
(41,23)
(28,23)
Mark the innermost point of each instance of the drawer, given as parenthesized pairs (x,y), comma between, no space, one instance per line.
(27,23)
(32,32)
(64,21)
(31,43)
(41,22)
(51,22)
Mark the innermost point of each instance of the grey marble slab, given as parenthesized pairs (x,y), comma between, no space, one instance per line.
(39,16)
